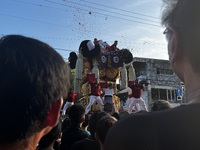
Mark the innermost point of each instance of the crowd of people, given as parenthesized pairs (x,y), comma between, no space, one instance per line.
(33,85)
(86,132)
(78,131)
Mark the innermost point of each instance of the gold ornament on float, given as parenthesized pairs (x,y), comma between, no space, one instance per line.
(102,72)
(85,89)
(116,100)
(112,73)
(85,72)
(86,64)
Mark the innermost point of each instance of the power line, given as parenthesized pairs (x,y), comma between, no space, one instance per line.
(78,39)
(47,22)
(133,50)
(112,12)
(62,49)
(120,9)
(13,16)
(51,23)
(105,14)
(39,5)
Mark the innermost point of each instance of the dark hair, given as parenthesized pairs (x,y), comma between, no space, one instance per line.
(66,123)
(116,115)
(161,105)
(94,118)
(33,77)
(108,107)
(76,113)
(110,85)
(103,126)
(123,114)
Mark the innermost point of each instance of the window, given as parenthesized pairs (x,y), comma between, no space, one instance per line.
(165,71)
(158,94)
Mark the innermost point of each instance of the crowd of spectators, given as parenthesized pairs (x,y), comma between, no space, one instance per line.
(33,85)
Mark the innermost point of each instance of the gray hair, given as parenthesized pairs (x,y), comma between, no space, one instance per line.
(169,8)
(183,15)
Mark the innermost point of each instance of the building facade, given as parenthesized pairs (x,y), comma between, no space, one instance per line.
(163,83)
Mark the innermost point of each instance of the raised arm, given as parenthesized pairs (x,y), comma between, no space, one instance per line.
(126,90)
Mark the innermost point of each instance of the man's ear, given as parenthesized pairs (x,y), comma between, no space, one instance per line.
(54,113)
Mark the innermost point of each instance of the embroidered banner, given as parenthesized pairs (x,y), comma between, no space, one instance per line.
(116,59)
(103,62)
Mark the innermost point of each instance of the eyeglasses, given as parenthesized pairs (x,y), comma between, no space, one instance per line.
(168,32)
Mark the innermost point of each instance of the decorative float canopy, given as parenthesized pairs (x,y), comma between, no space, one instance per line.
(108,63)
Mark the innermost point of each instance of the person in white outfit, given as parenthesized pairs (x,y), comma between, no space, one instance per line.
(108,93)
(95,97)
(129,91)
(69,101)
(108,96)
(136,97)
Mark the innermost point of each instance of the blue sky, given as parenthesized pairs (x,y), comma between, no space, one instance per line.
(63,24)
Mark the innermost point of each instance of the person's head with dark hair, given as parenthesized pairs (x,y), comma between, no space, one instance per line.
(66,123)
(116,115)
(108,107)
(77,114)
(123,114)
(48,141)
(161,105)
(95,41)
(32,87)
(102,128)
(90,143)
(74,132)
(94,118)
(110,85)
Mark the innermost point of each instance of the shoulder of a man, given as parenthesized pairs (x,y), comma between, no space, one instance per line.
(155,129)
(79,145)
